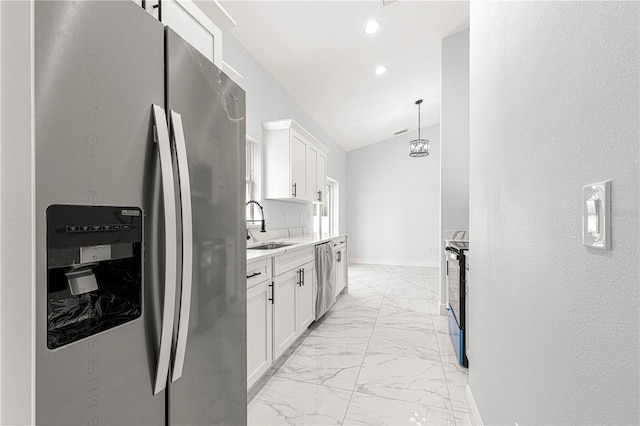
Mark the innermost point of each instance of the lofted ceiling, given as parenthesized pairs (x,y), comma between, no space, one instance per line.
(318,51)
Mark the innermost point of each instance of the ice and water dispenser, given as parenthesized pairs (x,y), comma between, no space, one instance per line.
(94,270)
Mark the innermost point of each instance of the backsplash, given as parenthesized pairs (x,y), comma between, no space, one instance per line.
(285,215)
(274,234)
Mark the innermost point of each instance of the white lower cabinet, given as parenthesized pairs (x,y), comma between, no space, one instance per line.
(281,303)
(340,266)
(259,338)
(284,311)
(259,320)
(294,304)
(306,297)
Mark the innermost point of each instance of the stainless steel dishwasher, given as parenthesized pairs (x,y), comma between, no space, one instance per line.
(324,278)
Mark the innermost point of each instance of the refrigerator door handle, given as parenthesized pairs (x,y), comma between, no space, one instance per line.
(177,132)
(171,258)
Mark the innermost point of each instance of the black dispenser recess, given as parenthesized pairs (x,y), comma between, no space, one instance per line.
(94,270)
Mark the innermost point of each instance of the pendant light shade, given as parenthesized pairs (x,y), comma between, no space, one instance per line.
(419,147)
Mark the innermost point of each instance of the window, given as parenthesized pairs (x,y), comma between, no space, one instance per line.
(326,215)
(251,181)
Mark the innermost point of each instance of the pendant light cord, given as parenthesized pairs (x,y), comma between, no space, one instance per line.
(419,121)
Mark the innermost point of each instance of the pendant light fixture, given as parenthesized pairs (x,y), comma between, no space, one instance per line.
(419,147)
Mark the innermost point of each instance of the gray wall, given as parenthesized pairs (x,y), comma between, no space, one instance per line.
(393,202)
(554,106)
(454,133)
(267,100)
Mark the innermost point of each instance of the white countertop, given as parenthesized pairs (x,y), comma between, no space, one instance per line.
(299,241)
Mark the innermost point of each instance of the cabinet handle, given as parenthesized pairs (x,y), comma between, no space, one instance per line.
(299,277)
(302,275)
(255,274)
(295,191)
(273,293)
(319,195)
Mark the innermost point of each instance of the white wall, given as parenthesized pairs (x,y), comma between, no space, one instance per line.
(454,134)
(267,101)
(393,202)
(554,106)
(0,221)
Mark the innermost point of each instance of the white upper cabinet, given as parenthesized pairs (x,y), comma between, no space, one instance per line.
(299,148)
(312,173)
(199,22)
(321,176)
(295,163)
(316,174)
(186,19)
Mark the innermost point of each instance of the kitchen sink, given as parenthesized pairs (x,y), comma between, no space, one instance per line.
(270,246)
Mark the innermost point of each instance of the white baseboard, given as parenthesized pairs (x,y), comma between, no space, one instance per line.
(473,408)
(396,262)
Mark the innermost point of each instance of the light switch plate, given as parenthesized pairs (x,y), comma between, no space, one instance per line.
(600,192)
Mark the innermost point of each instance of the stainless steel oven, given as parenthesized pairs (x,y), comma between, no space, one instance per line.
(456,252)
(453,278)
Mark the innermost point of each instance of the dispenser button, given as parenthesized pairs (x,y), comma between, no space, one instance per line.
(84,228)
(117,227)
(126,227)
(72,228)
(96,227)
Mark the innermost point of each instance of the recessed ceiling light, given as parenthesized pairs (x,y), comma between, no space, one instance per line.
(372,27)
(380,69)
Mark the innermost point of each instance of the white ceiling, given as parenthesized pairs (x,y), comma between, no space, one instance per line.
(318,52)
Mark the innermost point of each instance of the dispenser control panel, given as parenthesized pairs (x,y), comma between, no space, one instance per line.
(69,226)
(94,270)
(94,228)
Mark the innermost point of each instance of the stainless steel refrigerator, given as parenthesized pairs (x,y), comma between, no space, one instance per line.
(140,250)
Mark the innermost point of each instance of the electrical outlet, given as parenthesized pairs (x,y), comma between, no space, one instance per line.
(428,249)
(286,217)
(301,217)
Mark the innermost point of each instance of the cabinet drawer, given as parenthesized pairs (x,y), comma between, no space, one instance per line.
(291,260)
(258,271)
(339,243)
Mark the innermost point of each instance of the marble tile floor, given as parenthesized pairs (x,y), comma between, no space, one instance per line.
(380,356)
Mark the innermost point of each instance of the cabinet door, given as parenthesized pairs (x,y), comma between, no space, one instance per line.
(191,23)
(259,329)
(341,270)
(305,297)
(298,166)
(284,312)
(312,173)
(321,176)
